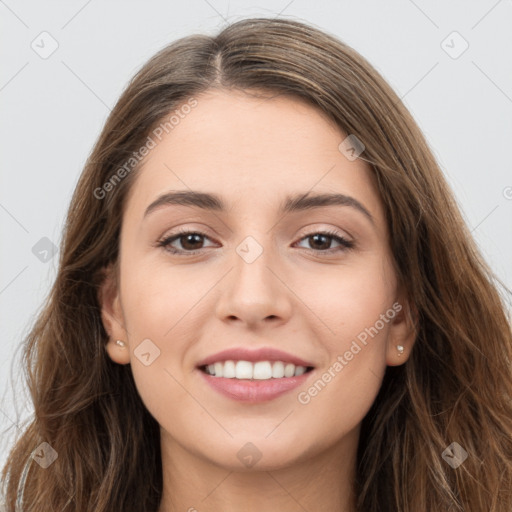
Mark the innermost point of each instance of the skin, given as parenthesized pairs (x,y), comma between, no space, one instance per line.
(254,152)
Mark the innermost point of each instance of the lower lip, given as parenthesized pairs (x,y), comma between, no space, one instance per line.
(254,391)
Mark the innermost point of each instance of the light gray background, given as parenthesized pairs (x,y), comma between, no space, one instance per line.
(53,110)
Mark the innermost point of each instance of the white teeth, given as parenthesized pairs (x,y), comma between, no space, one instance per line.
(278,370)
(229,370)
(218,367)
(261,370)
(289,370)
(299,370)
(243,370)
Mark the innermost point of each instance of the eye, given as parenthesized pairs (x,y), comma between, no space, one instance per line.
(189,241)
(323,239)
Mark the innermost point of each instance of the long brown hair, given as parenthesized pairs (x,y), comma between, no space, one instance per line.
(456,386)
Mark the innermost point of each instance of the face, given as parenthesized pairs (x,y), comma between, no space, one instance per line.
(311,284)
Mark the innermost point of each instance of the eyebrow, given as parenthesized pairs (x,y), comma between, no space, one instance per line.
(295,203)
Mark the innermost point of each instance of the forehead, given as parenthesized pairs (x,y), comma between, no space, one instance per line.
(253,150)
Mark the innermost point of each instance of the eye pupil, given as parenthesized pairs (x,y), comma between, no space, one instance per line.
(325,245)
(190,237)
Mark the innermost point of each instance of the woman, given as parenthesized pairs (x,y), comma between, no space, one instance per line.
(267,299)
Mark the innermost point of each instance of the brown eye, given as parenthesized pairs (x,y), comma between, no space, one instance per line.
(321,242)
(190,242)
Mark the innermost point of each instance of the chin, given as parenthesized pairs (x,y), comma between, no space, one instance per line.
(255,453)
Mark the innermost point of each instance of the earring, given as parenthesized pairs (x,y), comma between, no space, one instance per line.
(122,344)
(400,349)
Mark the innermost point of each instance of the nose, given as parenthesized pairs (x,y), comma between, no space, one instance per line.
(255,292)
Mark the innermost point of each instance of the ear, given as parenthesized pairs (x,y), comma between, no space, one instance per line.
(403,331)
(112,317)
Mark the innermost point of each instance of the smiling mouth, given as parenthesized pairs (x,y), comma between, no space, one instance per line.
(260,370)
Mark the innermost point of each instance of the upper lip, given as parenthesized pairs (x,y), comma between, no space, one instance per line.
(260,354)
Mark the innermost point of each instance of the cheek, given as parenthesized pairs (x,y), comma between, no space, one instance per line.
(157,296)
(355,309)
(161,304)
(347,299)
(336,401)
(342,391)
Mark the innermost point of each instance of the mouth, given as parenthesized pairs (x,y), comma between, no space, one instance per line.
(254,382)
(256,371)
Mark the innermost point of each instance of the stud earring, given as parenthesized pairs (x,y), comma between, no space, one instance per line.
(400,349)
(122,344)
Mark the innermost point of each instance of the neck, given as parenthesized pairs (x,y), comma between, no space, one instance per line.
(322,482)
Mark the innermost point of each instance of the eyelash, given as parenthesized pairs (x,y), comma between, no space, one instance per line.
(165,242)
